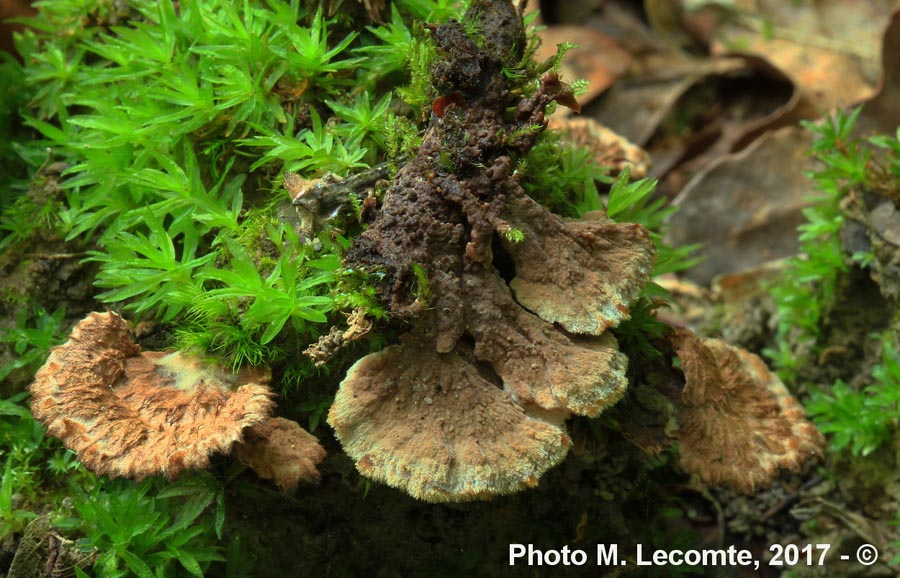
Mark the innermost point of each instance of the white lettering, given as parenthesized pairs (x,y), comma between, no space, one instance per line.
(640,557)
(608,554)
(706,558)
(537,557)
(515,551)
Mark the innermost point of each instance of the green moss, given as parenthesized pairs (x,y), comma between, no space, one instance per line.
(861,420)
(561,176)
(860,415)
(34,333)
(175,123)
(171,123)
(13,169)
(807,291)
(174,119)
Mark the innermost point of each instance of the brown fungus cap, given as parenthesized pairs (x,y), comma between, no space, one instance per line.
(434,425)
(738,424)
(541,366)
(280,450)
(133,414)
(581,274)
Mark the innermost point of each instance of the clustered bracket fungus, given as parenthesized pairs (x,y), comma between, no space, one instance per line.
(472,401)
(737,422)
(136,414)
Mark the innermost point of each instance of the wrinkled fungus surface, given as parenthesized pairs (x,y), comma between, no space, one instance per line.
(435,425)
(738,424)
(471,403)
(132,414)
(280,450)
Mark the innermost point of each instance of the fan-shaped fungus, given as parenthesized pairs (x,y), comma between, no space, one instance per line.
(132,414)
(738,424)
(437,426)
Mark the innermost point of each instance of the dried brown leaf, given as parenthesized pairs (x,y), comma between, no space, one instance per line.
(635,106)
(829,49)
(609,149)
(745,207)
(881,112)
